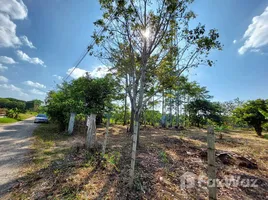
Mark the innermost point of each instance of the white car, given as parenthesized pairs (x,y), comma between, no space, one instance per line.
(41,118)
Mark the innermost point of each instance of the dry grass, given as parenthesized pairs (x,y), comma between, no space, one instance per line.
(63,169)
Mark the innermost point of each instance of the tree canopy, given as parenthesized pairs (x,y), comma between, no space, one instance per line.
(84,95)
(250,113)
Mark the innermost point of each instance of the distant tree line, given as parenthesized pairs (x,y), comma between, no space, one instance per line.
(11,103)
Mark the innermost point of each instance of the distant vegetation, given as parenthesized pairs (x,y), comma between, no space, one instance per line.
(11,103)
(17,110)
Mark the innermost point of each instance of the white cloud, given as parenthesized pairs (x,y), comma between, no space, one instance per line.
(256,35)
(34,84)
(3,79)
(15,9)
(58,77)
(11,90)
(8,37)
(255,50)
(25,57)
(27,42)
(98,72)
(77,73)
(38,92)
(3,68)
(11,10)
(234,41)
(7,60)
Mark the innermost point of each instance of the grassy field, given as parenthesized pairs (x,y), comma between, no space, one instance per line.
(7,120)
(62,168)
(22,116)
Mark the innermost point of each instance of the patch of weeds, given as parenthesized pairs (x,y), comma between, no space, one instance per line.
(113,159)
(48,152)
(222,128)
(56,171)
(38,160)
(48,133)
(91,159)
(69,193)
(19,196)
(171,174)
(163,157)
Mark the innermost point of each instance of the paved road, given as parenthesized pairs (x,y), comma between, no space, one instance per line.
(15,142)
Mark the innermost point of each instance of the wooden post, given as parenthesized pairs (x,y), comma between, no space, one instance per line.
(71,123)
(91,131)
(106,134)
(212,185)
(133,154)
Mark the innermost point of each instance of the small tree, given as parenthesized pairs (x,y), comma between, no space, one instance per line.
(202,110)
(84,95)
(250,113)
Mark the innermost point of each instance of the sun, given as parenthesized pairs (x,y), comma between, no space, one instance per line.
(146,33)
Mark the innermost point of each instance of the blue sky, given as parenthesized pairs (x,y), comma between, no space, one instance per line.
(41,40)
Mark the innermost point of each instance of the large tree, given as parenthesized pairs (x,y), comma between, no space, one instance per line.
(137,38)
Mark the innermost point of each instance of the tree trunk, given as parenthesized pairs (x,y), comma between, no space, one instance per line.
(125,112)
(170,116)
(163,119)
(138,137)
(144,117)
(258,130)
(178,113)
(62,126)
(132,120)
(133,154)
(153,112)
(106,134)
(170,111)
(184,111)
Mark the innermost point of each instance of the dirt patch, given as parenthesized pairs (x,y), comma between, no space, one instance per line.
(163,157)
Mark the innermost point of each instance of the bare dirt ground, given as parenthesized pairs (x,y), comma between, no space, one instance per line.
(15,142)
(65,170)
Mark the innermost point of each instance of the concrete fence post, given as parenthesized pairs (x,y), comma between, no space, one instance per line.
(91,131)
(71,123)
(212,183)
